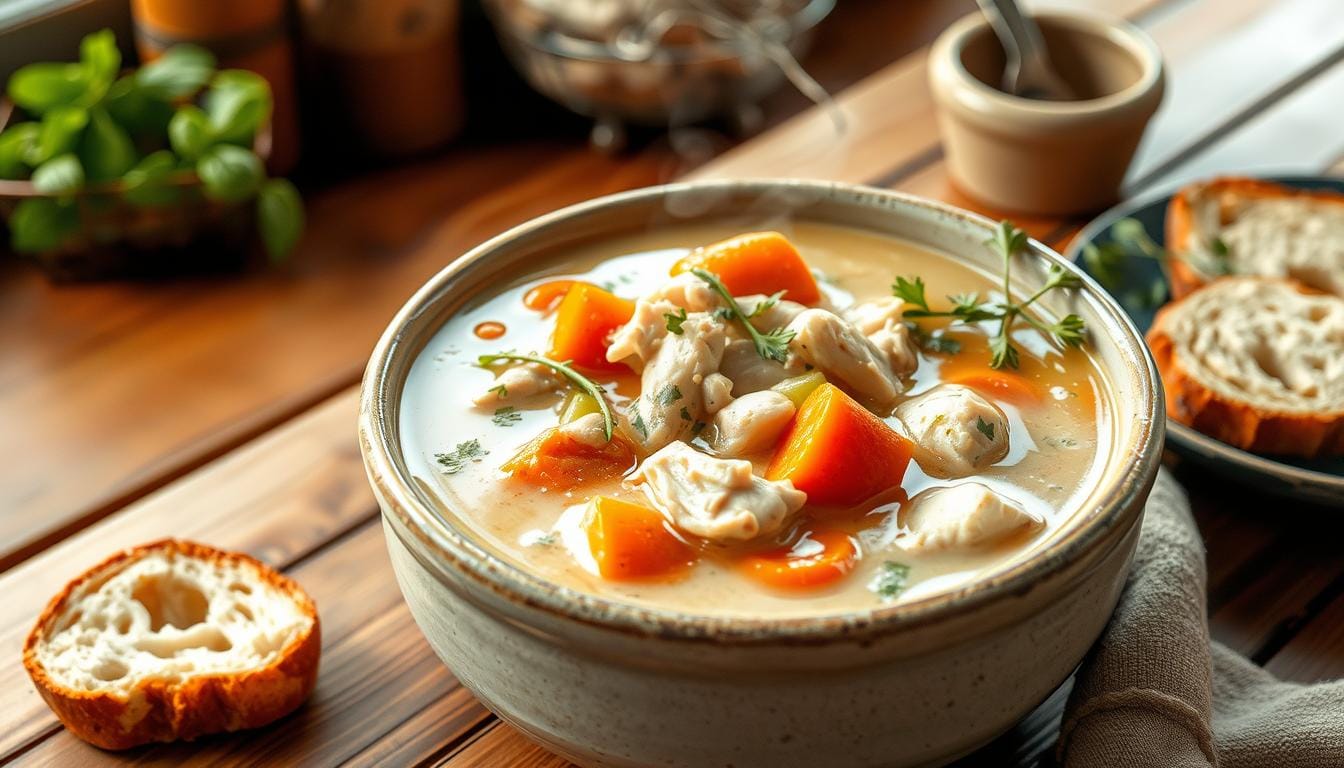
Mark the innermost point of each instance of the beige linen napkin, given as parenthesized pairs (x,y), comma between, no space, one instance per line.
(1155,692)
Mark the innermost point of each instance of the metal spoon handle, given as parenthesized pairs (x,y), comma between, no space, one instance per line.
(1027,64)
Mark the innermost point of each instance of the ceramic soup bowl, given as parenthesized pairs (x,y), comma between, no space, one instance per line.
(920,682)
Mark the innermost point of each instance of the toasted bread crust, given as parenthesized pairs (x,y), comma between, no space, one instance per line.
(1180,224)
(157,711)
(1236,422)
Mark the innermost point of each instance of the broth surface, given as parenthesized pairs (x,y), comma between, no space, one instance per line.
(1052,460)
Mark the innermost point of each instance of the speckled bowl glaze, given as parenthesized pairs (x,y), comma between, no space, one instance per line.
(608,684)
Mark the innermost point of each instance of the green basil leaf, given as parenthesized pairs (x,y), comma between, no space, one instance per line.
(100,57)
(239,103)
(59,133)
(44,86)
(137,110)
(181,71)
(189,132)
(279,217)
(230,174)
(149,183)
(15,144)
(41,224)
(106,149)
(59,175)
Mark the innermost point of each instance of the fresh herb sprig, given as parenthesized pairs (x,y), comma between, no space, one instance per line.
(1109,262)
(1008,241)
(575,378)
(771,346)
(890,580)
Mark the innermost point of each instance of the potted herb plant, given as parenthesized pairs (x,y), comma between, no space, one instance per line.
(105,172)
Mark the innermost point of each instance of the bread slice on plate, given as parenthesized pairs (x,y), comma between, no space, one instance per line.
(1257,363)
(1255,227)
(174,640)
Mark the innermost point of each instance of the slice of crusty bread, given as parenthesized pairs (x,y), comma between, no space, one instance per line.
(1257,363)
(174,640)
(1268,230)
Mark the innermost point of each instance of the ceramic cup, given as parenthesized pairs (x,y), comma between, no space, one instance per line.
(607,683)
(1037,156)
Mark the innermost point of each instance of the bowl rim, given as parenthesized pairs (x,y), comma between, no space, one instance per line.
(946,54)
(436,543)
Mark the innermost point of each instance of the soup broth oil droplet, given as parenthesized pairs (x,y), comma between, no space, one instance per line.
(489,330)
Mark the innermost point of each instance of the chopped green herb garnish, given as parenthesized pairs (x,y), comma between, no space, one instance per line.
(891,580)
(1008,241)
(985,427)
(766,304)
(935,343)
(639,425)
(500,390)
(575,378)
(674,321)
(771,346)
(669,394)
(685,414)
(545,540)
(506,416)
(465,453)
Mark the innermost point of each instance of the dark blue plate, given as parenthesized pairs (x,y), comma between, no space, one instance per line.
(1316,480)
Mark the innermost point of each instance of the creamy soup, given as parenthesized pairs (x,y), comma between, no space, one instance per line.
(842,457)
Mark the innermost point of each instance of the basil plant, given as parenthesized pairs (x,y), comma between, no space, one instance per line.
(145,129)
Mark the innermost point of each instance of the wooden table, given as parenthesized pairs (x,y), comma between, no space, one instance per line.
(223,410)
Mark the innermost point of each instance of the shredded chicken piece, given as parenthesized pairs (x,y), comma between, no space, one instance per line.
(517,383)
(961,517)
(688,291)
(672,398)
(717,499)
(882,321)
(589,429)
(956,432)
(717,390)
(636,341)
(831,343)
(750,372)
(751,424)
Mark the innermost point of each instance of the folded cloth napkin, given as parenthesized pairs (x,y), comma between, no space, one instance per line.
(1155,692)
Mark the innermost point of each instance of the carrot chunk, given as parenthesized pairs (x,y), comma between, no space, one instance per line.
(999,385)
(630,541)
(839,453)
(817,559)
(558,461)
(760,262)
(584,322)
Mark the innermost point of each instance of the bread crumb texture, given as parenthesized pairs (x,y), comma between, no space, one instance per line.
(173,640)
(1257,363)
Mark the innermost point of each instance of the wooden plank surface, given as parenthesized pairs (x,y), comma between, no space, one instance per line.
(295,495)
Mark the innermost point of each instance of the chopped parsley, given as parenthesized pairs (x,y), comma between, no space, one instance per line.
(891,580)
(985,427)
(639,425)
(674,321)
(685,414)
(506,416)
(465,453)
(669,394)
